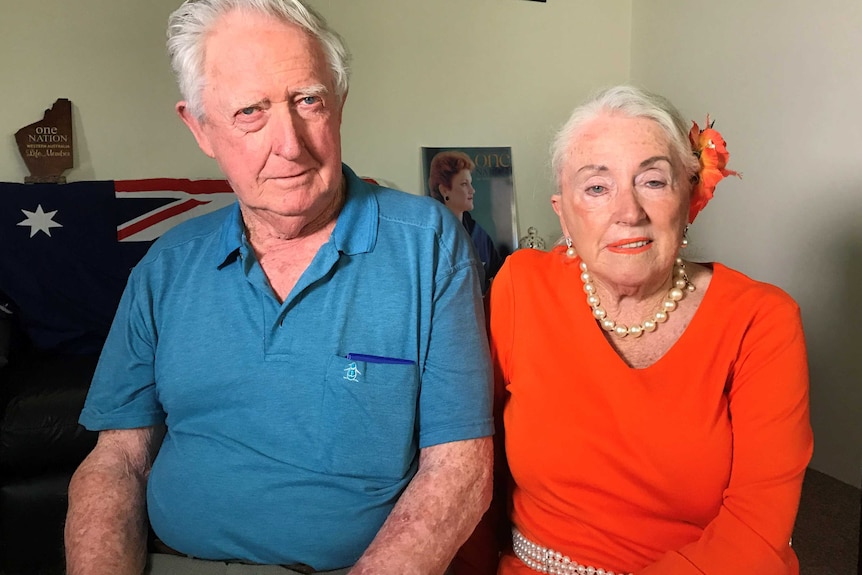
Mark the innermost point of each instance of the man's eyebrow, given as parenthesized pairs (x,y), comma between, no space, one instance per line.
(312,90)
(241,105)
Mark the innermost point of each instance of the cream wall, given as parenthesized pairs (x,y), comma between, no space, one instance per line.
(426,73)
(783,81)
(108,58)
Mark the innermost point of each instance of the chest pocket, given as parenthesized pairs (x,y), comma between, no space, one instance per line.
(369,418)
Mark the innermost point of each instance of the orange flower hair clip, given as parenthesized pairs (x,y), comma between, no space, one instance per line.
(711,150)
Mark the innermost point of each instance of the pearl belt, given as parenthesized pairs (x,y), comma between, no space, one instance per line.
(545,560)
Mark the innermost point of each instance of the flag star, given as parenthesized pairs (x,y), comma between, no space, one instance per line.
(40,221)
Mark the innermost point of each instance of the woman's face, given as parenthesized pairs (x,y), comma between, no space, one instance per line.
(623,201)
(459,195)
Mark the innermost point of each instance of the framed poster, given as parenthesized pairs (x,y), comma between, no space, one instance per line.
(493,199)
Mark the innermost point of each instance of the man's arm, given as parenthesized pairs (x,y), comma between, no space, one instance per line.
(106,525)
(436,513)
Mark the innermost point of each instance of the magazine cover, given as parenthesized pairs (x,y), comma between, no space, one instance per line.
(490,201)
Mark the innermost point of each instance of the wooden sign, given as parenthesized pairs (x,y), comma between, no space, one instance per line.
(46,146)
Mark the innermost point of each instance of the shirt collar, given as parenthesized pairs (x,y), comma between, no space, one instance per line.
(355,230)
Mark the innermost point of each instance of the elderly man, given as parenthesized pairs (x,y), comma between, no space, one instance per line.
(299,381)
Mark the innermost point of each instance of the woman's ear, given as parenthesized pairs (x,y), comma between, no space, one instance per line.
(444,192)
(557,204)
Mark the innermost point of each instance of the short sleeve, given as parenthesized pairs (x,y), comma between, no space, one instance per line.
(123,392)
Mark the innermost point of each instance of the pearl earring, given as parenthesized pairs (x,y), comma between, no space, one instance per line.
(570,251)
(684,243)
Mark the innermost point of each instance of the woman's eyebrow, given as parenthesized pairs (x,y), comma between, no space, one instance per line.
(653,160)
(592,167)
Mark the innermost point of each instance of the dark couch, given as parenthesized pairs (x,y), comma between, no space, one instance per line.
(41,444)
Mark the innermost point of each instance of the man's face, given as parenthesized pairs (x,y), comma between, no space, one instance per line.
(271,118)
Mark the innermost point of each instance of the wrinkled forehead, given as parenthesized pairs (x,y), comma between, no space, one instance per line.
(617,141)
(242,40)
(613,131)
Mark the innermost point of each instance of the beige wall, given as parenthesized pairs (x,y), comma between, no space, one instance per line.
(784,83)
(108,58)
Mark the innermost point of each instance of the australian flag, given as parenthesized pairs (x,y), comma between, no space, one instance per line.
(67,249)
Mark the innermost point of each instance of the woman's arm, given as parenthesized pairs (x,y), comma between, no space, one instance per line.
(772,445)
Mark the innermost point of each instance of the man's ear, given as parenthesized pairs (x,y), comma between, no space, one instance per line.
(341,103)
(196,128)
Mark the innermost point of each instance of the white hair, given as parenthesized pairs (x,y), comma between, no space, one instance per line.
(633,103)
(189,24)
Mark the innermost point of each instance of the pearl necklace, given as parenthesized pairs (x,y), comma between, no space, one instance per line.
(674,295)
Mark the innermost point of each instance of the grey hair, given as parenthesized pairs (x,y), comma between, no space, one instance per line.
(633,103)
(189,25)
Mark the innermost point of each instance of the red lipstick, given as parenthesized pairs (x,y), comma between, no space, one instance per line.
(630,246)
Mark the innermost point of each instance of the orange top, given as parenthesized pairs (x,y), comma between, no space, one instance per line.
(693,465)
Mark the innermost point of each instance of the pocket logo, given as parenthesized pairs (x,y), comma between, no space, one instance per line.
(351,372)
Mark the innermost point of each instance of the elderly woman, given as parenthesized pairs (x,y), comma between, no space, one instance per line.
(662,425)
(451,183)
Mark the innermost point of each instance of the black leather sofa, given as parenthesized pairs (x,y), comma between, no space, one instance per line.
(41,445)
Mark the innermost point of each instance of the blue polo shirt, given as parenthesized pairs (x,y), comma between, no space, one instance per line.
(294,427)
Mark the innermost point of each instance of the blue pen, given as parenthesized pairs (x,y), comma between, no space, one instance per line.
(379,359)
